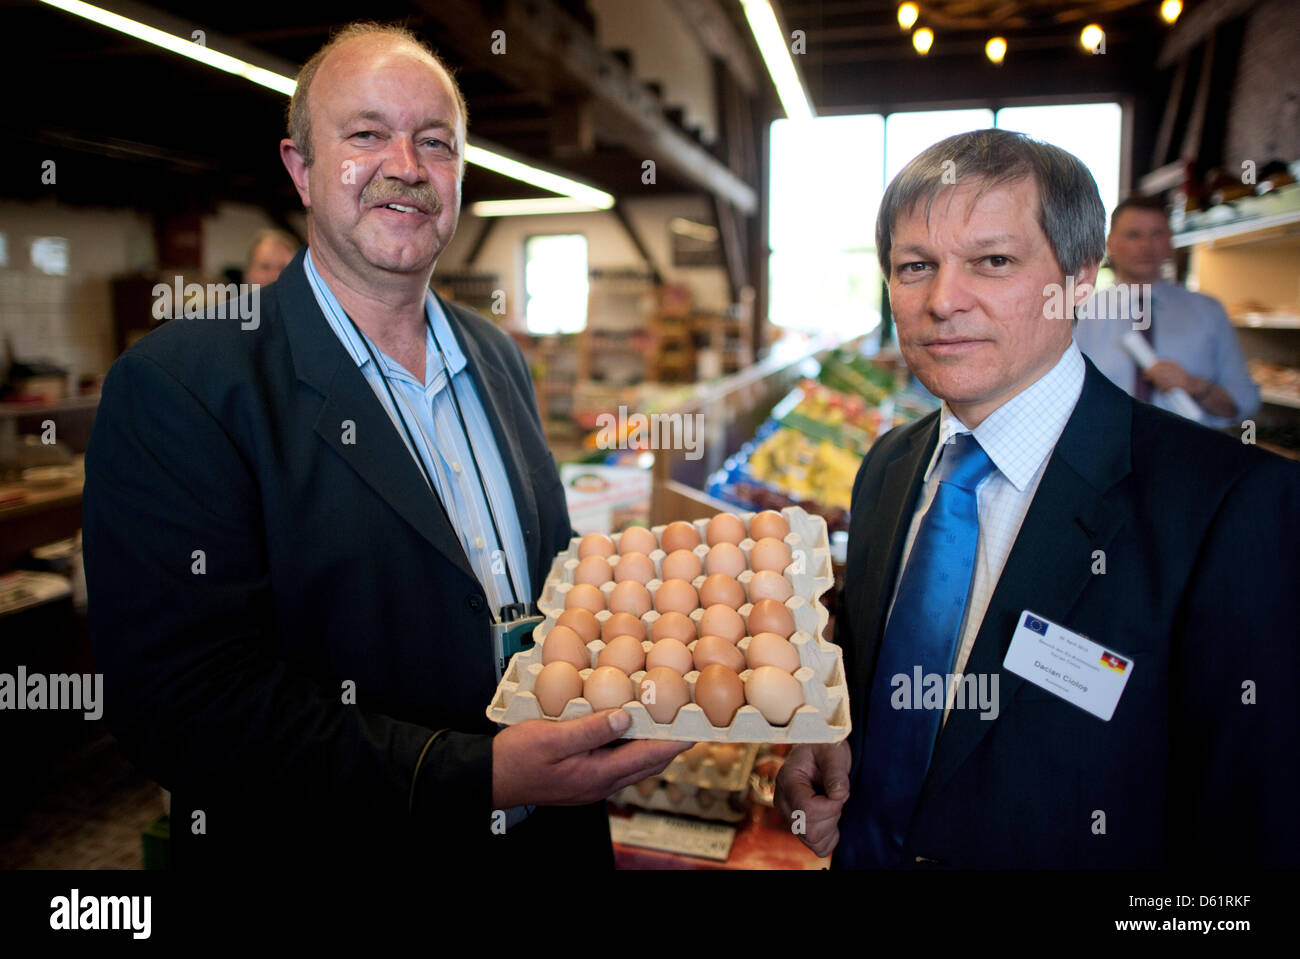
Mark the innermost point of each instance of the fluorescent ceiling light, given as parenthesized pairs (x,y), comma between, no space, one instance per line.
(518,170)
(169,41)
(587,197)
(531,206)
(776,55)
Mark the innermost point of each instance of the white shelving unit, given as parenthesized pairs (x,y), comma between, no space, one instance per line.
(1252,266)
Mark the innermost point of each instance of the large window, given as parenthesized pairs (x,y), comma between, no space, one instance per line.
(555,283)
(828,175)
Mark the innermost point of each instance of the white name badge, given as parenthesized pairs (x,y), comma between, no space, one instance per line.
(1072,666)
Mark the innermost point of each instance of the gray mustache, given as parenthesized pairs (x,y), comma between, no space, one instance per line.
(380,190)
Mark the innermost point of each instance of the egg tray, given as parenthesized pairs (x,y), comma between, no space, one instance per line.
(824,717)
(724,808)
(706,775)
(809,573)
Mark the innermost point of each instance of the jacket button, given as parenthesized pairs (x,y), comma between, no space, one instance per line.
(475,603)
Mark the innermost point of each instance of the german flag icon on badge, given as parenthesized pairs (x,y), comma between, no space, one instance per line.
(1111,661)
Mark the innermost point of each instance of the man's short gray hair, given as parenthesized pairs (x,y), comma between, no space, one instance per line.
(1069,208)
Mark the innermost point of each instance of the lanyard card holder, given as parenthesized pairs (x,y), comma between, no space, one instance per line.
(512,635)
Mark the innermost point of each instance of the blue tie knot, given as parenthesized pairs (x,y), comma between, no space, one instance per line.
(971,464)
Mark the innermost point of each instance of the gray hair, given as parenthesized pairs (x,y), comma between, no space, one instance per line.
(279,237)
(1069,208)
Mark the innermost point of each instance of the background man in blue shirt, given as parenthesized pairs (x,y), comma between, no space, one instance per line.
(1196,346)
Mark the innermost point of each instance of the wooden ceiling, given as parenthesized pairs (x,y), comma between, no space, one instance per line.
(131,125)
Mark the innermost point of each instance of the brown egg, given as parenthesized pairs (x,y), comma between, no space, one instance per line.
(724,756)
(585,596)
(637,539)
(679,535)
(678,626)
(646,787)
(696,755)
(769,553)
(563,645)
(674,793)
(705,798)
(719,692)
(768,523)
(607,688)
(725,558)
(769,649)
(622,624)
(630,597)
(677,596)
(774,693)
(724,528)
(769,585)
(671,653)
(721,588)
(663,692)
(770,616)
(721,620)
(636,567)
(581,621)
(556,684)
(682,564)
(595,544)
(594,571)
(622,652)
(714,649)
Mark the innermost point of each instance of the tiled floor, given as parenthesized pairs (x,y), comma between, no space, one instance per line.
(88,816)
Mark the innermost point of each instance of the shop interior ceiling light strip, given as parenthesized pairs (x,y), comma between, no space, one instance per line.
(587,196)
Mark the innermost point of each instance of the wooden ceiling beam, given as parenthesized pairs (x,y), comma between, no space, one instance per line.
(719,36)
(549,51)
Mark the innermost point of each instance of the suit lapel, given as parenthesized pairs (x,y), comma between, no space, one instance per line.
(1051,561)
(491,382)
(375,452)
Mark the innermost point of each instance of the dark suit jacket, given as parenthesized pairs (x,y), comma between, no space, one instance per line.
(1199,535)
(325,563)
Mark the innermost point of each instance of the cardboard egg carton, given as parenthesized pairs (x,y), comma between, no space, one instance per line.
(707,776)
(693,801)
(824,716)
(809,571)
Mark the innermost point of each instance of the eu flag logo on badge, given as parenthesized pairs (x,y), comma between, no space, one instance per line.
(1111,661)
(1037,625)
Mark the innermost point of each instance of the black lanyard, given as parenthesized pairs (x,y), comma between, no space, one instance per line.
(516,607)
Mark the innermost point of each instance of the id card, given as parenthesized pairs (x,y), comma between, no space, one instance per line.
(1073,667)
(512,637)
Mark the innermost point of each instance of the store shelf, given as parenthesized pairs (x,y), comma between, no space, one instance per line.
(1266,321)
(1269,227)
(1280,399)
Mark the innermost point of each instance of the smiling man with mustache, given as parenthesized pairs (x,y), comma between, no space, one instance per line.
(1042,503)
(298,540)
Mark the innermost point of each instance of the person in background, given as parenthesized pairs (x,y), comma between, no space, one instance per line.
(268,254)
(1195,345)
(1068,618)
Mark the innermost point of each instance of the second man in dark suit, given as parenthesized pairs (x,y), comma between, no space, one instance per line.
(1069,619)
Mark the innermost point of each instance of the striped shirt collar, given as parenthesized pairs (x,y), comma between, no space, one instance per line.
(1020,434)
(350,336)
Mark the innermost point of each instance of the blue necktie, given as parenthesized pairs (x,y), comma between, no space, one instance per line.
(920,639)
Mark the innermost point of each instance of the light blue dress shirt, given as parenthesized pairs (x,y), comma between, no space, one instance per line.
(442,443)
(1189,328)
